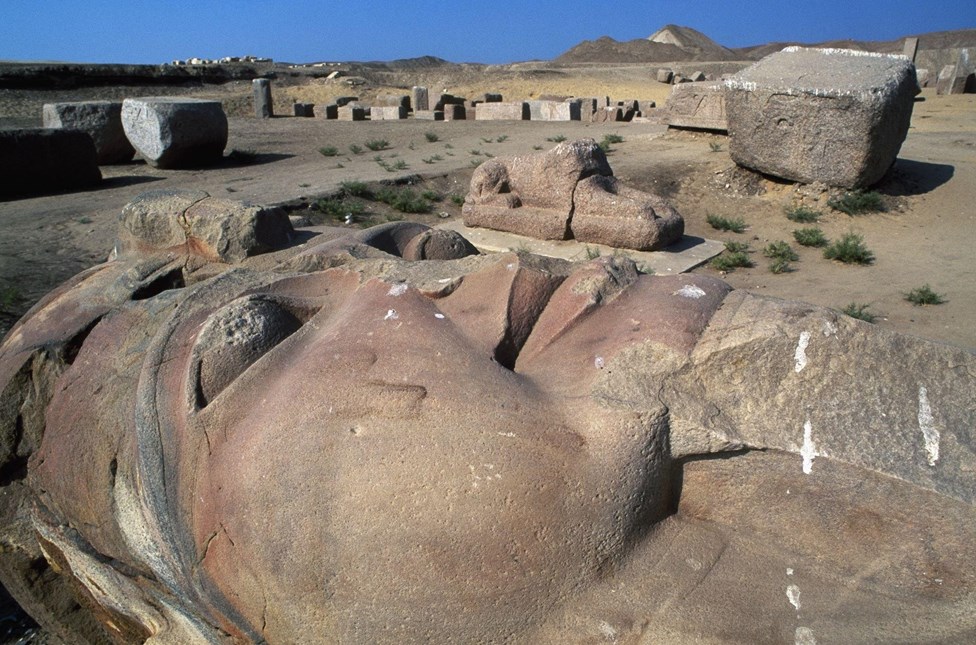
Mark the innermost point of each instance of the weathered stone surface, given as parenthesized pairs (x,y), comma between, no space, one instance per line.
(697,105)
(454,112)
(553,111)
(566,192)
(345,100)
(331,111)
(958,78)
(834,116)
(491,97)
(546,433)
(263,105)
(387,113)
(664,75)
(37,161)
(175,132)
(351,113)
(304,109)
(518,111)
(607,114)
(221,230)
(697,77)
(394,100)
(607,212)
(420,98)
(429,115)
(911,49)
(101,120)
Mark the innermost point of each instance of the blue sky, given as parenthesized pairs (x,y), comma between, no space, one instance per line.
(485,31)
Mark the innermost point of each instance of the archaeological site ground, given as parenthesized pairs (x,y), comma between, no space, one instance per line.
(747,418)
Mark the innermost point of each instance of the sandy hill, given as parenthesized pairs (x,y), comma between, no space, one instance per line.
(694,42)
(608,50)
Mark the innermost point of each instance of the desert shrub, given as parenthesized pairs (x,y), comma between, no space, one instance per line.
(801,214)
(849,249)
(328,151)
(377,144)
(400,164)
(431,195)
(736,247)
(339,208)
(356,189)
(559,138)
(433,159)
(432,137)
(810,237)
(736,225)
(728,262)
(857,202)
(859,311)
(715,147)
(781,251)
(353,148)
(405,201)
(502,138)
(613,138)
(457,200)
(924,296)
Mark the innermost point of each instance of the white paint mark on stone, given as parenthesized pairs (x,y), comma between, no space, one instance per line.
(398,289)
(829,328)
(690,291)
(809,450)
(793,594)
(926,422)
(800,356)
(804,636)
(391,315)
(598,362)
(439,316)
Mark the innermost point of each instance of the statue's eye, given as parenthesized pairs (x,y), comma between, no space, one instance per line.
(235,337)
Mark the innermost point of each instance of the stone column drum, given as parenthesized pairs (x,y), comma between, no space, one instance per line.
(174,132)
(263,107)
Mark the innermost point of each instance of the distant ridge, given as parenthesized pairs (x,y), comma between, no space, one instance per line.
(608,50)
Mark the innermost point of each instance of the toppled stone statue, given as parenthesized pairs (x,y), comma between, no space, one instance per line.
(339,442)
(835,116)
(568,192)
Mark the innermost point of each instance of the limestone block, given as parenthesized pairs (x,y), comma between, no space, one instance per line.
(554,111)
(428,115)
(518,111)
(830,115)
(697,105)
(387,112)
(174,132)
(454,112)
(39,160)
(304,109)
(351,113)
(331,111)
(101,120)
(665,75)
(263,105)
(420,98)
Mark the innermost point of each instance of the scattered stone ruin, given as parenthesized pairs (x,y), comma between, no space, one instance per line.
(385,437)
(175,132)
(568,192)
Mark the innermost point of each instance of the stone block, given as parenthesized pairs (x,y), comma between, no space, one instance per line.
(172,132)
(420,98)
(830,115)
(697,77)
(697,105)
(607,114)
(454,112)
(263,105)
(517,111)
(491,97)
(101,120)
(387,112)
(304,109)
(448,99)
(345,100)
(394,100)
(553,111)
(923,77)
(352,113)
(665,75)
(428,115)
(911,48)
(646,106)
(957,78)
(46,160)
(331,111)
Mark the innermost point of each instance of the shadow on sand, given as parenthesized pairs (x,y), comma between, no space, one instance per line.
(910,177)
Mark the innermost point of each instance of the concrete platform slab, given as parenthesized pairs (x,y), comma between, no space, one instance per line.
(684,256)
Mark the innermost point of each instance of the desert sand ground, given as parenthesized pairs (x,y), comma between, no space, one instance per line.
(922,238)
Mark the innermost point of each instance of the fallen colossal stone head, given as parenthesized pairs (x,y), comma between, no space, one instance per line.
(384,437)
(566,193)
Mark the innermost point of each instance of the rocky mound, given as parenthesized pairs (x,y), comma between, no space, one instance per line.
(700,46)
(607,50)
